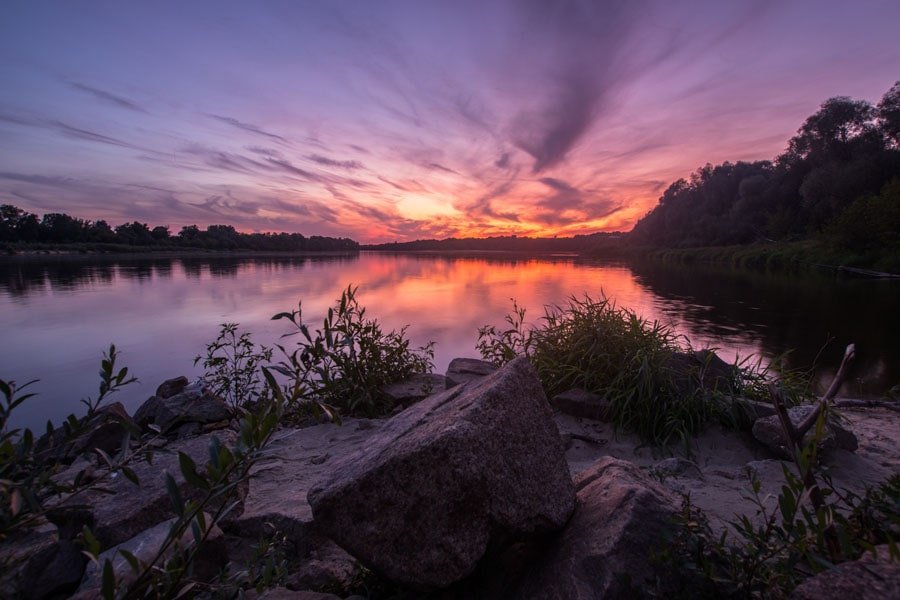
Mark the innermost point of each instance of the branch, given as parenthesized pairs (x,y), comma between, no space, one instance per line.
(810,420)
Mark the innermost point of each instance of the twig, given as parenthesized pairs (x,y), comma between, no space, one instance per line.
(810,420)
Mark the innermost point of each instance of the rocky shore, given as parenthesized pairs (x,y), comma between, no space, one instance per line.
(476,487)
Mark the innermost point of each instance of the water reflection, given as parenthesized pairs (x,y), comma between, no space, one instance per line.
(57,315)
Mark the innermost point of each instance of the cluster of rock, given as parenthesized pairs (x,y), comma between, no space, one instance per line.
(465,490)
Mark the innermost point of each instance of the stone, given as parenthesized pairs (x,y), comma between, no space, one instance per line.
(464,370)
(415,388)
(105,430)
(677,466)
(170,387)
(281,593)
(768,432)
(22,554)
(192,405)
(605,551)
(294,460)
(146,545)
(56,572)
(701,369)
(131,509)
(871,577)
(581,403)
(327,566)
(477,465)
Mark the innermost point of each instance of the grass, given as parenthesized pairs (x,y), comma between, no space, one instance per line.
(656,385)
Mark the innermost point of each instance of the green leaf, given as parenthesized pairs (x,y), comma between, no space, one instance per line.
(108,589)
(189,470)
(174,495)
(132,560)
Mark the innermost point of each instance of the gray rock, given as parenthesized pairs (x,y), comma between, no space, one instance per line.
(464,370)
(56,572)
(604,551)
(476,465)
(415,388)
(192,405)
(768,432)
(581,403)
(146,545)
(294,460)
(329,567)
(677,466)
(131,509)
(871,577)
(105,430)
(170,387)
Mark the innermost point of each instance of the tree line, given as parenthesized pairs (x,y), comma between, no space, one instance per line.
(507,243)
(838,180)
(24,228)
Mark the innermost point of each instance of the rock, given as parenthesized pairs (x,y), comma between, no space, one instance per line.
(21,555)
(581,403)
(701,369)
(295,459)
(146,545)
(281,593)
(870,577)
(677,466)
(768,432)
(327,567)
(170,387)
(464,370)
(192,405)
(105,430)
(132,509)
(415,388)
(475,465)
(55,572)
(604,551)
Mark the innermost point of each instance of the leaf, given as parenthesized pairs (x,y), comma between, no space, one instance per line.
(174,495)
(132,560)
(108,589)
(132,477)
(189,470)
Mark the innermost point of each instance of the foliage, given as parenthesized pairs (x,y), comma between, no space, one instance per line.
(27,465)
(232,366)
(841,156)
(349,360)
(770,555)
(639,366)
(21,227)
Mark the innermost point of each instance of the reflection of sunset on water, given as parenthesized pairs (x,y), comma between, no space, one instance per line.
(58,315)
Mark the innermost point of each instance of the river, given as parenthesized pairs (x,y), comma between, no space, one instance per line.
(58,313)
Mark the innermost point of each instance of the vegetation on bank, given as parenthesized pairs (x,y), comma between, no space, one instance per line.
(24,231)
(657,386)
(838,184)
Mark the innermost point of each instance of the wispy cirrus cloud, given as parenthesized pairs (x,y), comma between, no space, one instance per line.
(247,127)
(108,97)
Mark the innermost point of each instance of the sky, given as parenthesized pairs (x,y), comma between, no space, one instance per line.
(386,121)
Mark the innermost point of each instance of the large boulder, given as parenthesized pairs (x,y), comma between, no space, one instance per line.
(294,460)
(104,429)
(464,370)
(474,466)
(170,387)
(872,577)
(769,432)
(605,551)
(193,404)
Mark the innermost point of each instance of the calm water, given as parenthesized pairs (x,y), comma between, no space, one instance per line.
(58,315)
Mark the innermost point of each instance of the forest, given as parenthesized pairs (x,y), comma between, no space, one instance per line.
(19,228)
(838,181)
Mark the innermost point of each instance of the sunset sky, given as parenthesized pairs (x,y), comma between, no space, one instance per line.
(388,121)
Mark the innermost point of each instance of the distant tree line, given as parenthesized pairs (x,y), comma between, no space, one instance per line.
(20,227)
(838,180)
(509,243)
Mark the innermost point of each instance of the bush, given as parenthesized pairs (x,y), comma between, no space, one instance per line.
(347,362)
(634,363)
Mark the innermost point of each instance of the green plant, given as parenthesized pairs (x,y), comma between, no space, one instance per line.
(349,360)
(813,528)
(232,365)
(27,465)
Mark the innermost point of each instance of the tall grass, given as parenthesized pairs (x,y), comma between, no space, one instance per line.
(656,385)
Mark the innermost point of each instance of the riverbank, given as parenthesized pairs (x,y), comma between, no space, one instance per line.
(806,255)
(121,251)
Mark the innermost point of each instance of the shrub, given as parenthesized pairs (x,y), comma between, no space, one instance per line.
(349,360)
(232,365)
(634,363)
